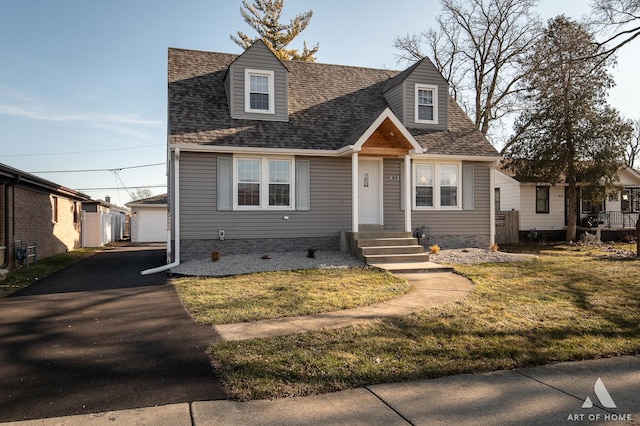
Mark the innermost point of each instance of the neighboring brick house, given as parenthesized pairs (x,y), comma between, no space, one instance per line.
(35,210)
(269,155)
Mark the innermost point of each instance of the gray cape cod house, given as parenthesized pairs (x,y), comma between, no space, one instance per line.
(270,156)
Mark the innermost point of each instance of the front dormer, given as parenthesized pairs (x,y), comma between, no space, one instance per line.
(419,96)
(256,85)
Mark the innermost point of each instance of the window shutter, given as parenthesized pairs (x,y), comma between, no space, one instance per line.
(302,185)
(468,178)
(402,186)
(225,183)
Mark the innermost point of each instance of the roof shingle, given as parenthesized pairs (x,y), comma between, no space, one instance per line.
(330,106)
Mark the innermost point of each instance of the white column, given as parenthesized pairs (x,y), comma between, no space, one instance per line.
(407,193)
(492,203)
(354,192)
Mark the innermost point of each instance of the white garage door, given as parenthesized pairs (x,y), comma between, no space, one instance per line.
(152,225)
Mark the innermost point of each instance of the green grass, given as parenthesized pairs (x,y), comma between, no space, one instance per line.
(285,294)
(20,278)
(571,304)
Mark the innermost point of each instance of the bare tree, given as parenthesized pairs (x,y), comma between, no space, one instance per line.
(478,47)
(619,20)
(141,194)
(632,146)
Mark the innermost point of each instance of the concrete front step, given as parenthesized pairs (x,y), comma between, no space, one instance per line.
(387,242)
(381,234)
(386,250)
(413,268)
(397,258)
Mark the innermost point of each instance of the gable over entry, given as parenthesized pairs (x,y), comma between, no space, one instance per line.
(385,137)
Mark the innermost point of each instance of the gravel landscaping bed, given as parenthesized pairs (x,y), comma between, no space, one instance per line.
(248,263)
(477,255)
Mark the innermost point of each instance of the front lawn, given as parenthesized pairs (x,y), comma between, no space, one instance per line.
(571,304)
(268,295)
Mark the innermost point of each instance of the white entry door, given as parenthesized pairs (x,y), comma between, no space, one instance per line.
(369,192)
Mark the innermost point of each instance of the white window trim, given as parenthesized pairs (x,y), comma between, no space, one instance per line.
(264,183)
(248,72)
(436,186)
(435,103)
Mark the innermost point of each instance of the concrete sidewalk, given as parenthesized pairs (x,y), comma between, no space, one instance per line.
(548,395)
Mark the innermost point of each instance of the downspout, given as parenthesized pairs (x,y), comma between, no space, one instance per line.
(176,219)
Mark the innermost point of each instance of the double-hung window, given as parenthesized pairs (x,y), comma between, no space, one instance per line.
(426,107)
(436,186)
(248,182)
(542,199)
(449,185)
(424,185)
(259,91)
(280,183)
(263,183)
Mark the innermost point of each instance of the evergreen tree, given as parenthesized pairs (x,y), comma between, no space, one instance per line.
(264,17)
(568,131)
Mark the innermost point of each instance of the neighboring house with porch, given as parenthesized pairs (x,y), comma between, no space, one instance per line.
(268,156)
(542,208)
(149,219)
(37,216)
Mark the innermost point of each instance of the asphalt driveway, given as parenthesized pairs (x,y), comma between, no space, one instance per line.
(98,336)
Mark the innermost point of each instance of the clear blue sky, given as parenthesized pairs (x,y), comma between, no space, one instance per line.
(83,83)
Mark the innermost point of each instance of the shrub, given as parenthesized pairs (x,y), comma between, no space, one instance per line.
(311,253)
(215,256)
(435,249)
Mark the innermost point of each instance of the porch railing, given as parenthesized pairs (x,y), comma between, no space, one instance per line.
(613,219)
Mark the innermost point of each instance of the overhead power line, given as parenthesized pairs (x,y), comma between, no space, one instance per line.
(81,152)
(100,170)
(115,188)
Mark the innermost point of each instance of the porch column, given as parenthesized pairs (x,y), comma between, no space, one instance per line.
(492,203)
(407,193)
(354,192)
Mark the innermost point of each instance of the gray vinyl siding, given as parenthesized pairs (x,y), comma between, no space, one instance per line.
(329,213)
(257,57)
(395,99)
(426,74)
(440,222)
(393,214)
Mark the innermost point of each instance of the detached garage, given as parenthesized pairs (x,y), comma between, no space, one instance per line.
(149,219)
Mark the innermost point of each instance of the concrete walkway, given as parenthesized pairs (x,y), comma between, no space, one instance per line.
(431,289)
(548,395)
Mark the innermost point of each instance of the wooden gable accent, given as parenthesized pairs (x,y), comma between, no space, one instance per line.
(386,141)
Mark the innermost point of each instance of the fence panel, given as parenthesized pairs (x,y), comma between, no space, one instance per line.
(507,227)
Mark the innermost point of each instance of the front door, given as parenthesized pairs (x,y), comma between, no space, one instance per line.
(369,192)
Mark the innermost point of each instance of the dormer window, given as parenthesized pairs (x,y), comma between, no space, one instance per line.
(426,104)
(259,91)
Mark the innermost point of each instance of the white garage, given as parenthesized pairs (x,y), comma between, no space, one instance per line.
(149,219)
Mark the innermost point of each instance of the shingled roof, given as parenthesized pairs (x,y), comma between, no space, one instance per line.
(330,106)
